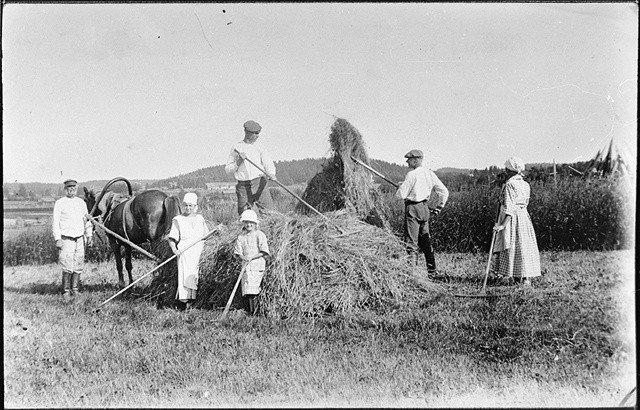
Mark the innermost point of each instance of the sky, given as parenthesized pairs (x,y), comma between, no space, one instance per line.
(150,91)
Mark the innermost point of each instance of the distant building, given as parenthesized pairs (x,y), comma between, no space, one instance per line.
(224,187)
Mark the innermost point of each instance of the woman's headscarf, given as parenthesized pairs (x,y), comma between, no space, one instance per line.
(192,199)
(514,164)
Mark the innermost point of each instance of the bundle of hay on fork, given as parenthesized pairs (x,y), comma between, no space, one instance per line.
(342,184)
(311,270)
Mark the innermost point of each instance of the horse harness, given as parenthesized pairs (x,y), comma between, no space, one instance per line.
(117,200)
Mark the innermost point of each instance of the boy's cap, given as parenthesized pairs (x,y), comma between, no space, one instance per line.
(252,126)
(70,182)
(414,153)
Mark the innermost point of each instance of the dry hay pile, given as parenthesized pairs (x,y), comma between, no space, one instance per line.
(343,184)
(313,270)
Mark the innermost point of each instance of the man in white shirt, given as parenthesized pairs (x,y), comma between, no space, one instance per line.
(71,229)
(251,188)
(420,189)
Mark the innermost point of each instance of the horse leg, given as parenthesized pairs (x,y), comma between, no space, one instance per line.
(115,247)
(129,265)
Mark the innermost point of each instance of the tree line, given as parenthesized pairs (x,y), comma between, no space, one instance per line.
(301,171)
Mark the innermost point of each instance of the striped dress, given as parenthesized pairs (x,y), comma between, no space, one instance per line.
(517,244)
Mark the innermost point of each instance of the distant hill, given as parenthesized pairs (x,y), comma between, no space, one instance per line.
(449,170)
(136,184)
(288,173)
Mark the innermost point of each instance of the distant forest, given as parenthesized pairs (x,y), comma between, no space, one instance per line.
(297,172)
(288,173)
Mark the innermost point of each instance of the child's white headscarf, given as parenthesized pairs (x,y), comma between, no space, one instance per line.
(192,199)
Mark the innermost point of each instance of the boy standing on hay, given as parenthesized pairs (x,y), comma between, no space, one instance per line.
(185,229)
(417,191)
(251,188)
(252,248)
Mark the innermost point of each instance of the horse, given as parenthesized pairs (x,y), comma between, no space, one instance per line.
(143,218)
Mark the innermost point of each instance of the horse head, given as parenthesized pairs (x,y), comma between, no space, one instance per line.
(89,199)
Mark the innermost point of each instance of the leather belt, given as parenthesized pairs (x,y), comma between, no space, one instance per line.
(408,202)
(247,183)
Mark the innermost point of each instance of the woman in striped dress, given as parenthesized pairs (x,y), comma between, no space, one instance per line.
(515,238)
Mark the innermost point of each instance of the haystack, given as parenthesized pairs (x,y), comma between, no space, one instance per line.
(313,269)
(343,184)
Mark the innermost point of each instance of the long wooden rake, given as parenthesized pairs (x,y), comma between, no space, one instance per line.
(233,293)
(483,291)
(308,205)
(206,236)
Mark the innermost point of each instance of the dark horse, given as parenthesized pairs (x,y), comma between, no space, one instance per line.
(143,218)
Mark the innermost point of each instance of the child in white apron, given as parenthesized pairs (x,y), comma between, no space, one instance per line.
(252,248)
(185,229)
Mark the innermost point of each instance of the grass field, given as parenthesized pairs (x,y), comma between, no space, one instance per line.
(568,341)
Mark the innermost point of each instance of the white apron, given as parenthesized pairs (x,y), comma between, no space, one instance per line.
(249,244)
(186,230)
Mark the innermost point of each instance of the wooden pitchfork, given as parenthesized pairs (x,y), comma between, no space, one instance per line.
(483,291)
(385,178)
(294,195)
(156,268)
(233,293)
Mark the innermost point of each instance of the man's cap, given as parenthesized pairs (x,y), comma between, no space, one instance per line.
(70,182)
(252,126)
(414,153)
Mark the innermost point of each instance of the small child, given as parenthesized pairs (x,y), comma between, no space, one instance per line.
(252,248)
(185,229)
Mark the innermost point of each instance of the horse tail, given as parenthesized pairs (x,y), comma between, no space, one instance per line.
(171,205)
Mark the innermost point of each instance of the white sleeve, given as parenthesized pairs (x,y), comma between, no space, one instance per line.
(231,166)
(56,221)
(440,190)
(174,233)
(405,188)
(267,162)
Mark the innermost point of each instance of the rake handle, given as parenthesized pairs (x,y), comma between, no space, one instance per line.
(233,293)
(128,242)
(158,267)
(486,273)
(285,188)
(137,280)
(294,195)
(374,171)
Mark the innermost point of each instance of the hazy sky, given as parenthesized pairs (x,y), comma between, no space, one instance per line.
(149,91)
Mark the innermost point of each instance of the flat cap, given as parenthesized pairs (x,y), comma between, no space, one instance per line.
(414,153)
(252,126)
(70,182)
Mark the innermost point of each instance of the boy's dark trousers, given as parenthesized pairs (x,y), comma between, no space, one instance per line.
(251,303)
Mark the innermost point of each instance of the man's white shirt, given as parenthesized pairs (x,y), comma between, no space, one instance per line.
(69,218)
(246,171)
(420,184)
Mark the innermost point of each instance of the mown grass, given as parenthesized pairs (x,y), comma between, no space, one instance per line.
(566,342)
